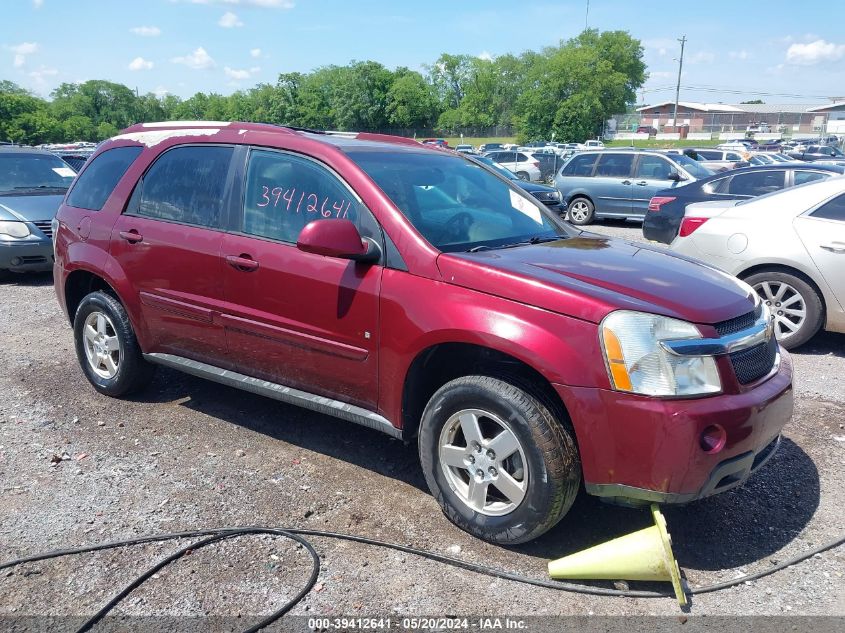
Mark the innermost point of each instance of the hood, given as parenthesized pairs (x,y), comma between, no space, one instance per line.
(31,208)
(590,275)
(711,208)
(532,187)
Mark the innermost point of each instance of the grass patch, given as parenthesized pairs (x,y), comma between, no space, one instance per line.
(662,144)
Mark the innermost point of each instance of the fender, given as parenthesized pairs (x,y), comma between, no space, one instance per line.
(564,350)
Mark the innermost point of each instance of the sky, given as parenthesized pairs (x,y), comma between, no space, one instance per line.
(780,51)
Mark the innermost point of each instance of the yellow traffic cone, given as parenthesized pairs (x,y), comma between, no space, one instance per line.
(643,555)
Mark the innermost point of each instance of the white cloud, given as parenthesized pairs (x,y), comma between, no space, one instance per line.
(815,52)
(139,63)
(263,4)
(146,31)
(661,74)
(255,53)
(229,20)
(21,51)
(39,77)
(37,4)
(702,57)
(486,56)
(239,74)
(161,91)
(741,54)
(198,60)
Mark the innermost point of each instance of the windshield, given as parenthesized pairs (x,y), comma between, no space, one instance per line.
(456,204)
(21,172)
(691,166)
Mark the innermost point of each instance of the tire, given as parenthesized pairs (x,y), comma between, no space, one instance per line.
(544,465)
(128,372)
(523,175)
(795,294)
(581,211)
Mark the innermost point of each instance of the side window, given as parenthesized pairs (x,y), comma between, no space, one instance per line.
(808,176)
(186,185)
(521,158)
(580,165)
(285,192)
(95,184)
(653,167)
(615,165)
(709,154)
(732,156)
(832,210)
(756,183)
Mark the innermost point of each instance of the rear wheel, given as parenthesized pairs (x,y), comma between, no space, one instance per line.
(523,175)
(797,310)
(107,348)
(581,211)
(498,462)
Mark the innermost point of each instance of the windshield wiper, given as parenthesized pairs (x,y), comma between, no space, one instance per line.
(533,240)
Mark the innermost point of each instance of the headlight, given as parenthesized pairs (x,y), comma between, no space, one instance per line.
(637,363)
(13,229)
(547,195)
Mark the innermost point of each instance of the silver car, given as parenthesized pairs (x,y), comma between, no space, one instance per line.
(620,183)
(789,246)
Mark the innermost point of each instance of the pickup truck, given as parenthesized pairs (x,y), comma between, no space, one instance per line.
(819,152)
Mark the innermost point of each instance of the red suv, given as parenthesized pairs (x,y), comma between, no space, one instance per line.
(416,292)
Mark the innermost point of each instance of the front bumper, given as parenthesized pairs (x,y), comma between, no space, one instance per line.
(27,255)
(636,449)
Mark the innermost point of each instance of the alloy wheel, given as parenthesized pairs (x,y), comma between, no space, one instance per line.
(787,305)
(102,346)
(579,211)
(484,462)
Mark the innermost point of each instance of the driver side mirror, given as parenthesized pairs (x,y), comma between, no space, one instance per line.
(337,238)
(675,175)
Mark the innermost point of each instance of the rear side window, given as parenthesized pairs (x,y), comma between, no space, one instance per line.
(186,185)
(808,176)
(615,165)
(285,192)
(707,154)
(96,183)
(832,210)
(580,165)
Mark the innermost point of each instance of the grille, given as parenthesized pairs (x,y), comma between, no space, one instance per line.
(737,324)
(45,227)
(754,363)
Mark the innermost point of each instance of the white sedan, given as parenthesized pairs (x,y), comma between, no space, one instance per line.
(789,246)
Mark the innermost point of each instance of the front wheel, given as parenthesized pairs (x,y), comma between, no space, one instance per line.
(797,310)
(523,175)
(498,462)
(581,211)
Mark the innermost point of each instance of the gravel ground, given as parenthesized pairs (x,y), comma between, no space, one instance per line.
(188,454)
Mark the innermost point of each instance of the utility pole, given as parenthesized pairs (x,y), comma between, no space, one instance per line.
(683,41)
(587,16)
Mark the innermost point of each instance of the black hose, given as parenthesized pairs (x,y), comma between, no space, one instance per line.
(297,534)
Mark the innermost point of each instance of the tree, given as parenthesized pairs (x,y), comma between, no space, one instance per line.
(411,101)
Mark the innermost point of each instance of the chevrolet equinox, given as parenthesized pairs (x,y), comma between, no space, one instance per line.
(414,291)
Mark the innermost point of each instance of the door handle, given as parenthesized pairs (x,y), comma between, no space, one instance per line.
(834,248)
(131,236)
(626,182)
(242,262)
(642,183)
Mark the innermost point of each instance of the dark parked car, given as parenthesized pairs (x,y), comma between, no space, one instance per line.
(666,209)
(489,147)
(550,162)
(76,159)
(32,185)
(549,196)
(416,293)
(819,152)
